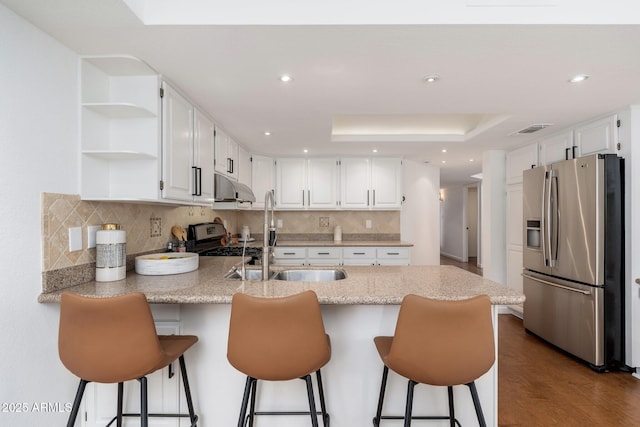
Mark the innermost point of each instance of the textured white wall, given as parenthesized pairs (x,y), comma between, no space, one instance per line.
(453,208)
(420,216)
(493,208)
(39,143)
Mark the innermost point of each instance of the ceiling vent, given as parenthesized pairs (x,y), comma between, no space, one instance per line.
(532,129)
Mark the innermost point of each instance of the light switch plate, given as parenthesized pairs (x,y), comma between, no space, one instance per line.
(75,239)
(91,235)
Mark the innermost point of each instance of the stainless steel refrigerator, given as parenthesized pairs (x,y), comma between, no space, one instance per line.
(573,257)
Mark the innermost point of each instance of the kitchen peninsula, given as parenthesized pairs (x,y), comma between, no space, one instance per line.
(356,309)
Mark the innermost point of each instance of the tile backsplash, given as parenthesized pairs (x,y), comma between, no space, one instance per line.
(148,228)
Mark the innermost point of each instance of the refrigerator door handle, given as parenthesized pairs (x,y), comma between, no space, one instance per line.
(546,282)
(543,224)
(554,220)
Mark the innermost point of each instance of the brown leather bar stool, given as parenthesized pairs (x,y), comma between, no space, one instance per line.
(442,343)
(278,339)
(113,340)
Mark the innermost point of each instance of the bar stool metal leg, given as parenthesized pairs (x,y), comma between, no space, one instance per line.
(76,403)
(409,407)
(252,405)
(245,401)
(383,386)
(187,391)
(452,416)
(476,403)
(323,406)
(312,403)
(144,409)
(120,399)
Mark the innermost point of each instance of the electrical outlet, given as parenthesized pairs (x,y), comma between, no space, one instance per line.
(367,224)
(75,239)
(91,235)
(156,227)
(279,223)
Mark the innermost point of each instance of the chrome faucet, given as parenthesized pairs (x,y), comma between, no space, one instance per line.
(269,236)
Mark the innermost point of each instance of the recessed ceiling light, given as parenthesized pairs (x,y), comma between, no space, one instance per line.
(579,78)
(285,78)
(444,150)
(431,78)
(471,160)
(375,150)
(305,151)
(267,133)
(444,161)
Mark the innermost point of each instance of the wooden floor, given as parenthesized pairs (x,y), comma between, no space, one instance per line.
(471,266)
(539,385)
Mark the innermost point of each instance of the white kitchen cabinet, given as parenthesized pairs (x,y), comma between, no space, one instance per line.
(520,159)
(338,255)
(306,183)
(322,183)
(177,133)
(374,183)
(324,255)
(289,255)
(226,154)
(290,183)
(119,129)
(244,166)
(556,148)
(164,395)
(262,178)
(393,256)
(598,136)
(355,183)
(359,256)
(386,183)
(187,147)
(203,151)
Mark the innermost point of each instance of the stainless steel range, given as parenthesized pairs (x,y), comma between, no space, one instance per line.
(206,239)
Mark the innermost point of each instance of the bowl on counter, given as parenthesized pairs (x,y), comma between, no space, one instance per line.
(161,264)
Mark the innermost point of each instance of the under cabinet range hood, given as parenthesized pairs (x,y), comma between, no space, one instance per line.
(226,190)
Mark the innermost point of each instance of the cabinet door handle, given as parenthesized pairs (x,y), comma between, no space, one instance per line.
(323,253)
(302,197)
(358,253)
(393,253)
(367,197)
(199,181)
(195,181)
(288,253)
(374,197)
(309,197)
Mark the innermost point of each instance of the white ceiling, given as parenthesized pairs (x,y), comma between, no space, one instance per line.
(360,87)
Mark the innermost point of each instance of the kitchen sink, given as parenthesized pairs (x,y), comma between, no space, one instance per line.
(249,274)
(310,275)
(292,275)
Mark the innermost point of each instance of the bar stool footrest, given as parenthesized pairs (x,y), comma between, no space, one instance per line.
(376,422)
(193,423)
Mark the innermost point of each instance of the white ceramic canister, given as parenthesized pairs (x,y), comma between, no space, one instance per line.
(337,234)
(111,257)
(245,234)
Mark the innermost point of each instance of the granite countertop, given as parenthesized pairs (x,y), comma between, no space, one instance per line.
(363,285)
